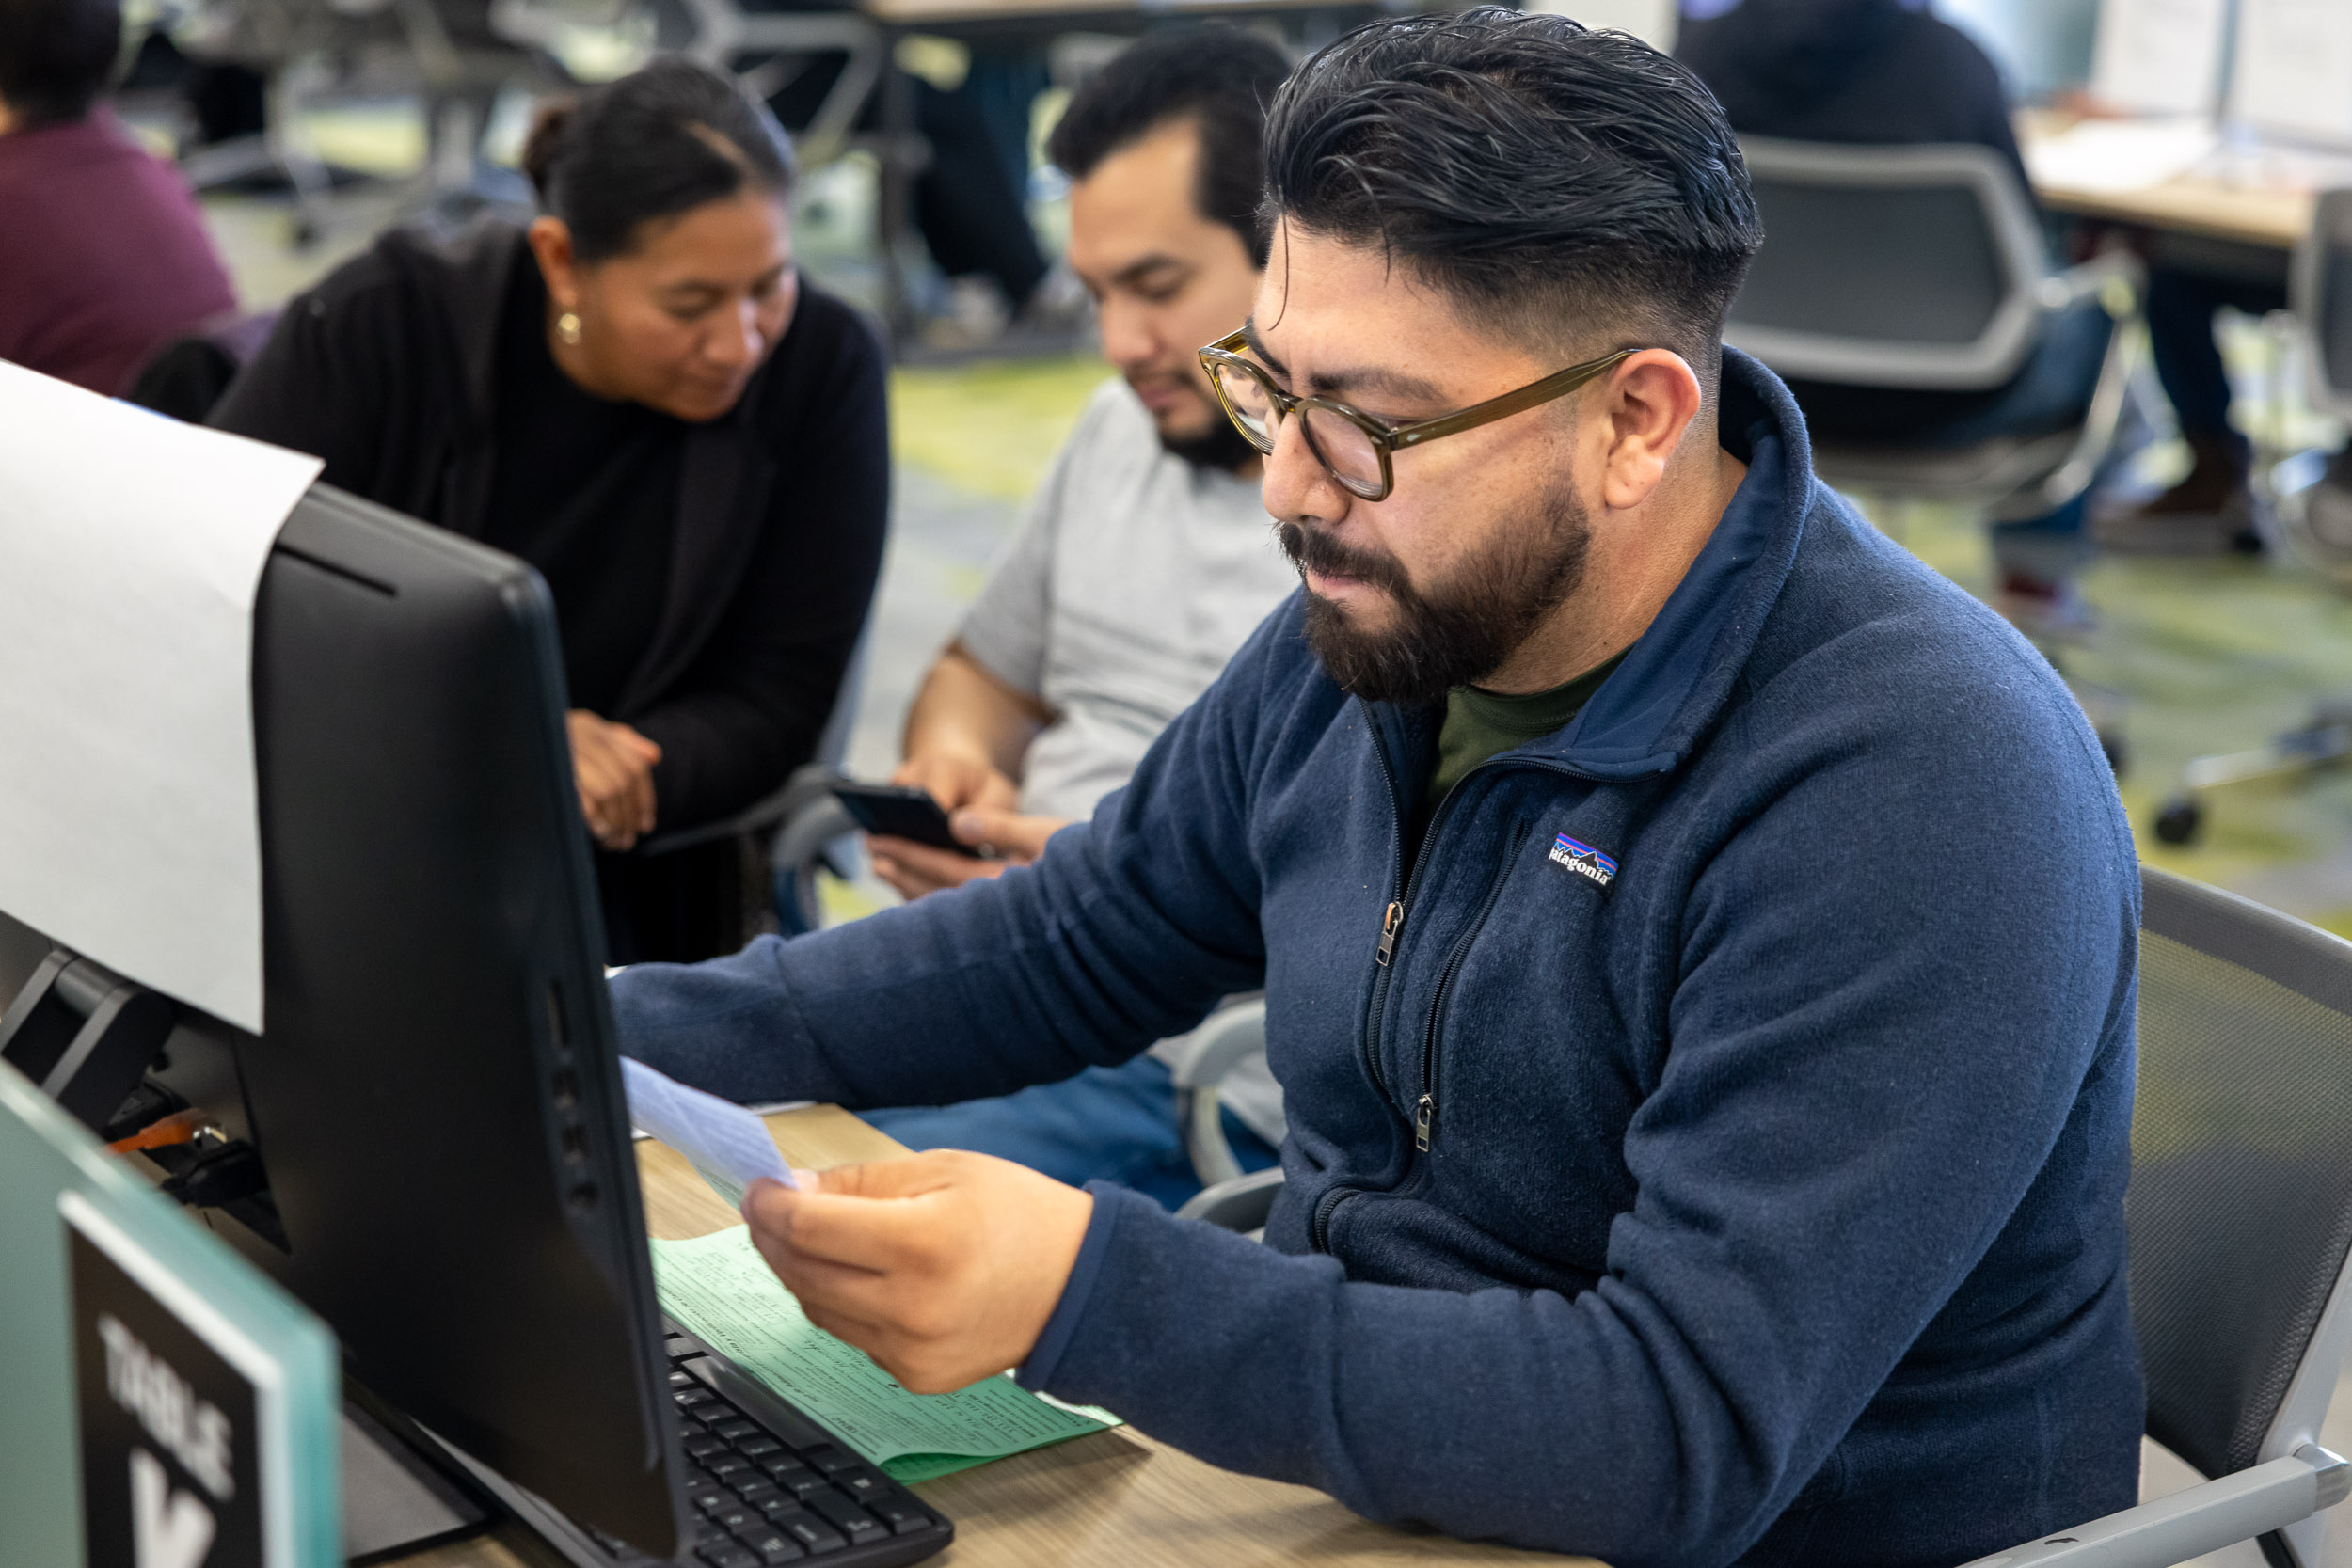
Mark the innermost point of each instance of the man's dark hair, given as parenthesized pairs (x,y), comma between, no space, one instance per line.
(1219,78)
(651,145)
(1560,184)
(56,57)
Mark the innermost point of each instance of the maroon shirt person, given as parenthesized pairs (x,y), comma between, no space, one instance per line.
(104,257)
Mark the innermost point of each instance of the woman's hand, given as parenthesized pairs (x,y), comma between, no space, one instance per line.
(614,765)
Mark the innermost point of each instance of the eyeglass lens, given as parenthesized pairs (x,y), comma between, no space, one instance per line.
(1343,445)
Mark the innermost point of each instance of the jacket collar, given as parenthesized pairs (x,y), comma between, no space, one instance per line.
(466,269)
(1676,677)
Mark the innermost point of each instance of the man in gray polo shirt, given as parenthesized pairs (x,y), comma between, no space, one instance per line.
(1145,560)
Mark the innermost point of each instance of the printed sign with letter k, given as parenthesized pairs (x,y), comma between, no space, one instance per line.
(169,1529)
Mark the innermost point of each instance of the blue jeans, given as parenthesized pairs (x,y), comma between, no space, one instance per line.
(1109,1123)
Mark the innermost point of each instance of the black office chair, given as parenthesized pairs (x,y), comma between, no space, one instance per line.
(2240,1212)
(2241,1217)
(1921,269)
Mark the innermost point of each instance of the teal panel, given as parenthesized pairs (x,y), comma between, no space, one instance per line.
(44,1154)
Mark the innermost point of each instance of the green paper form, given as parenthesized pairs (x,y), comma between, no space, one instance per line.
(725,1294)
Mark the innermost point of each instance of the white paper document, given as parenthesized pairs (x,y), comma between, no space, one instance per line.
(2113,156)
(2159,56)
(727,1145)
(2294,68)
(130,552)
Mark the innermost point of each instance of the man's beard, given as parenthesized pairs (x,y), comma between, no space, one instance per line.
(1458,631)
(1220,446)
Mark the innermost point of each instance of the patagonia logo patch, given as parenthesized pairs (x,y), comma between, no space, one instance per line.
(1584,860)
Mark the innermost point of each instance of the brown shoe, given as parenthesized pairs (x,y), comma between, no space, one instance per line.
(2211,511)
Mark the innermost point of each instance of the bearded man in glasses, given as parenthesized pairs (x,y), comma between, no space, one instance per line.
(1699,942)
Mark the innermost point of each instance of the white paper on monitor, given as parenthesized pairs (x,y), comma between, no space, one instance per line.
(2293,69)
(727,1145)
(131,553)
(2159,56)
(2114,156)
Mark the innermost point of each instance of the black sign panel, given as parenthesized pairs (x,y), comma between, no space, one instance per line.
(169,1444)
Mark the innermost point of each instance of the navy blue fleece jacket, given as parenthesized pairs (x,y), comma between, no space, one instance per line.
(1769,1030)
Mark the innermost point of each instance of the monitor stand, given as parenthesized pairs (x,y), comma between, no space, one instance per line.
(395,1500)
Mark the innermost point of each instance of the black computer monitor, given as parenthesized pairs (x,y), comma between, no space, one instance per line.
(435,1100)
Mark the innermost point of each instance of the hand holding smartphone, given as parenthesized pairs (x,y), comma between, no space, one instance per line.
(900,811)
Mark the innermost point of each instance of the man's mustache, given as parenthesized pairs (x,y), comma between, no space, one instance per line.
(1310,550)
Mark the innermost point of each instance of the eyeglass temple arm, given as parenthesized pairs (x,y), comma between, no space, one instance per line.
(1558,384)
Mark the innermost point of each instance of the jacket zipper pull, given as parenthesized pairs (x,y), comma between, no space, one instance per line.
(1389,924)
(1424,1113)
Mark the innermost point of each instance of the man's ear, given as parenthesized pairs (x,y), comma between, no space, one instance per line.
(551,244)
(1648,401)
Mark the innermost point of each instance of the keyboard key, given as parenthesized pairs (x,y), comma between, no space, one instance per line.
(732,1556)
(814,1534)
(720,1465)
(681,1380)
(862,1483)
(771,1463)
(757,1492)
(845,1515)
(772,1545)
(708,1498)
(752,1448)
(734,1515)
(796,1477)
(825,1457)
(900,1513)
(705,1445)
(736,1428)
(789,1551)
(687,1399)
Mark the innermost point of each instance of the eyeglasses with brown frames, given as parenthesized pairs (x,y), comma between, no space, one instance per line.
(1353,446)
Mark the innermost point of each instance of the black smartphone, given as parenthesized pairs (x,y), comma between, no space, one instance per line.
(900,811)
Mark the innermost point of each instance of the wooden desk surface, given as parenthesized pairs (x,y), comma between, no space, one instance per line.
(1116,1497)
(2272,217)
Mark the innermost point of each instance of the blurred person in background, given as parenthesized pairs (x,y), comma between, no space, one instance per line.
(104,257)
(1145,559)
(639,395)
(1886,73)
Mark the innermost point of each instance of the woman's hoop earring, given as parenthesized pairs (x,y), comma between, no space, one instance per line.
(567,328)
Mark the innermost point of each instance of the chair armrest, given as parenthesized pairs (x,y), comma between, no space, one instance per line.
(1241,1204)
(2090,279)
(1197,1063)
(2189,1524)
(809,784)
(807,832)
(1229,1036)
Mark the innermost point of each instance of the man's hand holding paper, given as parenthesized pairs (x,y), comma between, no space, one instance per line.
(943,1266)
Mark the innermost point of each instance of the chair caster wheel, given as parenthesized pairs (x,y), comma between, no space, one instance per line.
(2179,819)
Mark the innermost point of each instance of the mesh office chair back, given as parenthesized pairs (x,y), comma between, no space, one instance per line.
(2323,299)
(1889,266)
(2240,1207)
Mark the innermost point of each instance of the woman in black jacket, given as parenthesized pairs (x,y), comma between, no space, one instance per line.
(641,397)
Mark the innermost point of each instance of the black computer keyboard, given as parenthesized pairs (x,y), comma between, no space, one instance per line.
(771,1486)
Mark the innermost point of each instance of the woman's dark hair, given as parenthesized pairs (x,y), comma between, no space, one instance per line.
(56,57)
(1217,77)
(649,146)
(1558,183)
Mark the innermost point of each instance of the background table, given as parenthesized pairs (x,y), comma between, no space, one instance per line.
(2270,218)
(1113,1498)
